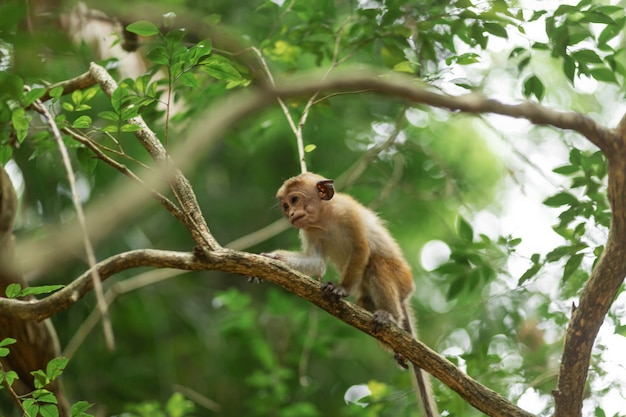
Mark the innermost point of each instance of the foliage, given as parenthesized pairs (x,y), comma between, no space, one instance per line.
(257,350)
(41,401)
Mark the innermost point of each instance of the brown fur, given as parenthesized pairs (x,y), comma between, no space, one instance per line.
(335,227)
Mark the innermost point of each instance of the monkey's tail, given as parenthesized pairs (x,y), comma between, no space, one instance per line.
(421,381)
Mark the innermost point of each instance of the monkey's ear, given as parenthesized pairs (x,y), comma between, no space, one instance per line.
(325,189)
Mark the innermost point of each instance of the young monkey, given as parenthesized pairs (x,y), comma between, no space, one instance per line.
(335,227)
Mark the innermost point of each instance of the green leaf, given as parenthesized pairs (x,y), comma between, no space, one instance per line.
(4,352)
(49,410)
(109,115)
(188,79)
(129,127)
(610,32)
(587,56)
(221,70)
(42,289)
(466,233)
(496,29)
(56,93)
(593,16)
(13,290)
(533,87)
(310,148)
(30,407)
(40,378)
(530,272)
(604,74)
(7,341)
(143,28)
(456,287)
(90,93)
(77,96)
(566,170)
(159,55)
(34,94)
(82,122)
(9,377)
(178,405)
(6,152)
(561,199)
(557,253)
(20,121)
(83,107)
(55,367)
(44,396)
(572,265)
(78,409)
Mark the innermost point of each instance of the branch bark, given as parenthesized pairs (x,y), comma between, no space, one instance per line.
(246,264)
(37,343)
(596,296)
(598,293)
(180,186)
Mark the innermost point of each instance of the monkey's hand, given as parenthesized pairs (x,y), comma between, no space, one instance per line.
(336,292)
(257,280)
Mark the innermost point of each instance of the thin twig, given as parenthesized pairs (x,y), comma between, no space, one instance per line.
(142,280)
(311,336)
(198,398)
(91,257)
(297,130)
(165,202)
(12,393)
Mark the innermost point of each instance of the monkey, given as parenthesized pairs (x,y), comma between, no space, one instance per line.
(335,227)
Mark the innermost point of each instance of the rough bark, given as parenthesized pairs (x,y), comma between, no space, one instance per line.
(595,299)
(37,341)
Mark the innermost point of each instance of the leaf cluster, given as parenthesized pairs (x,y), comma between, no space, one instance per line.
(41,401)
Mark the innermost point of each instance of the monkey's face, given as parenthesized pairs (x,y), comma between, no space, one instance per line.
(301,210)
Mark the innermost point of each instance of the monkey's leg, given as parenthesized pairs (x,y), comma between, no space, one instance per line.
(381,319)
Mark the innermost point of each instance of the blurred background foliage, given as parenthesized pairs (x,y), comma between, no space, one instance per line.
(235,348)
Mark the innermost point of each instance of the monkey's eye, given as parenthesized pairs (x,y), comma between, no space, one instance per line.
(285,207)
(294,199)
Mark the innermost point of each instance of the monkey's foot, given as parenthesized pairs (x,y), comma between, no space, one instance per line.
(255,280)
(401,360)
(381,319)
(336,292)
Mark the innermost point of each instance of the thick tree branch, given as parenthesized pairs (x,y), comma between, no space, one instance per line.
(245,264)
(605,279)
(400,86)
(596,297)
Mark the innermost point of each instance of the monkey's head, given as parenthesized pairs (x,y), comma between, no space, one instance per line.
(302,197)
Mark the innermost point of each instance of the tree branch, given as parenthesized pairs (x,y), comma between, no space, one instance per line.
(80,82)
(400,86)
(277,272)
(180,186)
(165,202)
(604,281)
(596,298)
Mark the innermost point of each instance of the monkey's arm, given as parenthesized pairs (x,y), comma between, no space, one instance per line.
(351,261)
(310,263)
